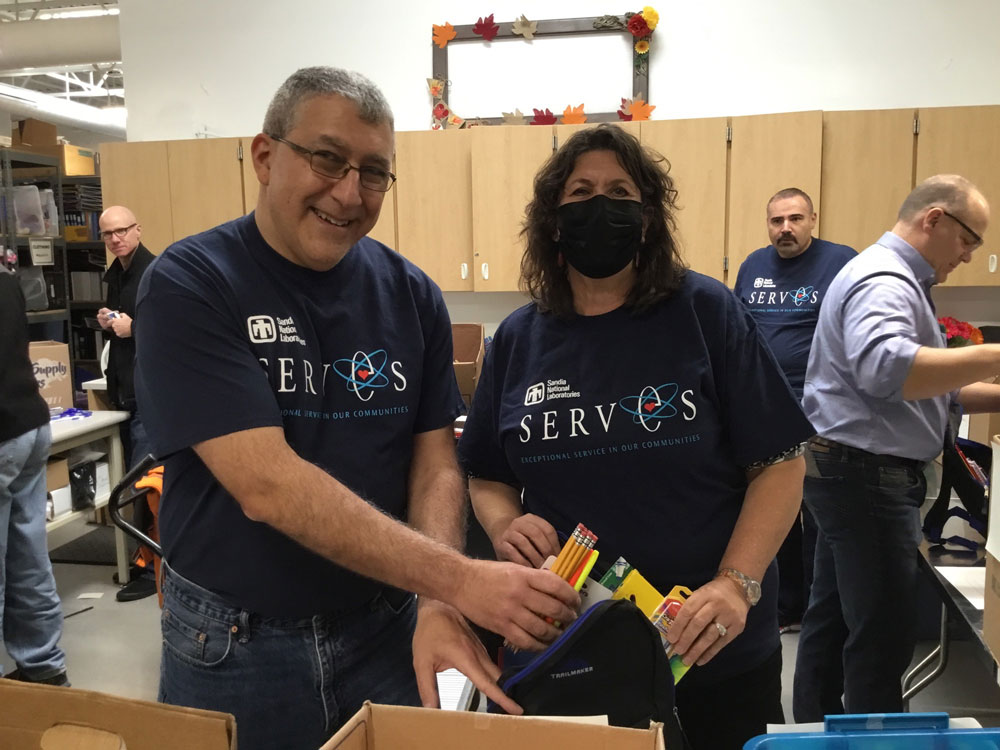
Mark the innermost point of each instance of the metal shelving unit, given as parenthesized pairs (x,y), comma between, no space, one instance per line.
(24,168)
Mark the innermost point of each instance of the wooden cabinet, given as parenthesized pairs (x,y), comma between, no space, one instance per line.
(434,204)
(867,173)
(206,183)
(768,153)
(136,175)
(696,151)
(965,141)
(504,162)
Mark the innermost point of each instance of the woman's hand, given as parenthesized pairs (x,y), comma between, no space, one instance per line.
(696,633)
(527,540)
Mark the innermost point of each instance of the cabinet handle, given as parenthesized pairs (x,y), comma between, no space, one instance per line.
(993,263)
(464,271)
(485,270)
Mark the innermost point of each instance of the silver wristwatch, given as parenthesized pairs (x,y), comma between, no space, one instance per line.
(750,587)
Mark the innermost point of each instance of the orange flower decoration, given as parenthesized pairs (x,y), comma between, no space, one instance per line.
(443,34)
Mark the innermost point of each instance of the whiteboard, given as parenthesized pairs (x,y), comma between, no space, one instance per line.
(488,79)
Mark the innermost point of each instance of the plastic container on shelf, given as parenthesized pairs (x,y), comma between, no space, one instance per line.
(50,215)
(28,216)
(919,731)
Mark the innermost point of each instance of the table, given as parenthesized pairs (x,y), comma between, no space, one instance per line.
(70,433)
(966,614)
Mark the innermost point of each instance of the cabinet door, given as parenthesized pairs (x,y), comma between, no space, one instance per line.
(504,162)
(768,153)
(385,228)
(434,204)
(251,188)
(867,173)
(697,151)
(135,175)
(206,183)
(965,141)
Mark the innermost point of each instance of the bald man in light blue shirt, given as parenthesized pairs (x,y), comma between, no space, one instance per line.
(880,386)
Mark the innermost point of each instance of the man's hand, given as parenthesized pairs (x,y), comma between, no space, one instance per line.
(103,319)
(443,640)
(694,634)
(528,540)
(514,601)
(122,326)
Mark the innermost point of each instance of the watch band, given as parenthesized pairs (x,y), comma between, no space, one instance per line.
(749,586)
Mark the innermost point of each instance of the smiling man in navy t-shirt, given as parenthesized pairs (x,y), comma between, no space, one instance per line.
(296,377)
(783,286)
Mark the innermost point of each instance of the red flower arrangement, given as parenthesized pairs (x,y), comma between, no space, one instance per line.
(638,26)
(960,333)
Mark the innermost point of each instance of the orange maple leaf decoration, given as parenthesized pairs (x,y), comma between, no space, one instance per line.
(443,34)
(573,115)
(641,110)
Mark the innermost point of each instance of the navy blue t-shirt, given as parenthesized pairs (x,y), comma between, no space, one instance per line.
(351,362)
(785,295)
(640,428)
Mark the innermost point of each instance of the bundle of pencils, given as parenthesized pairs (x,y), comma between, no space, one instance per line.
(577,557)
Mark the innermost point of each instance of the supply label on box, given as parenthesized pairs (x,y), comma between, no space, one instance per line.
(41,252)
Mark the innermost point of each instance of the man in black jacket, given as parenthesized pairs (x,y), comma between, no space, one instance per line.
(29,605)
(122,233)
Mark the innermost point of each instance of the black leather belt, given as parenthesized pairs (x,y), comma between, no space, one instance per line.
(819,444)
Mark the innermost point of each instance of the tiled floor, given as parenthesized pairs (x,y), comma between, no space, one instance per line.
(115,648)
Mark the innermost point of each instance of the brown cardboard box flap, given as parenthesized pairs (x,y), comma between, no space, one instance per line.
(77,737)
(380,727)
(29,711)
(56,474)
(468,346)
(34,133)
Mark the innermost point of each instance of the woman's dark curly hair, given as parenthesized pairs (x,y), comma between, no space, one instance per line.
(658,262)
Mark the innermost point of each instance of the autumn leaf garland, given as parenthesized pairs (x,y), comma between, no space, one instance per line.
(640,25)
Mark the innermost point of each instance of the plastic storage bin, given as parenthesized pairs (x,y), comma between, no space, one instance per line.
(928,731)
(28,216)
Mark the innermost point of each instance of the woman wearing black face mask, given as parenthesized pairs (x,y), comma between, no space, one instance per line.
(636,397)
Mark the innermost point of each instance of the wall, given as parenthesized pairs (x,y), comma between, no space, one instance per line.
(193,67)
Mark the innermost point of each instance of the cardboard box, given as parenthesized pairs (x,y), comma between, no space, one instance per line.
(103,477)
(378,727)
(50,361)
(37,137)
(56,474)
(71,717)
(467,342)
(31,134)
(62,502)
(76,234)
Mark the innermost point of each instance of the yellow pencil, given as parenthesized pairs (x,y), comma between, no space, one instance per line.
(570,565)
(567,550)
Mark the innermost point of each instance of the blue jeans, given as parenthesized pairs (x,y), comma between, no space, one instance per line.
(289,683)
(29,605)
(858,631)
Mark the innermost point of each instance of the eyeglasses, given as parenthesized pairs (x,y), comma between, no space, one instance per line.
(336,167)
(979,240)
(119,233)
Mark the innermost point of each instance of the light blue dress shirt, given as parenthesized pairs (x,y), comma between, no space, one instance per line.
(877,313)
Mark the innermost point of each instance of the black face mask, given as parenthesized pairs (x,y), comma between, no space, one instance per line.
(599,236)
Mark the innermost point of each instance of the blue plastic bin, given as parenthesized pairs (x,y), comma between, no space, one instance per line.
(927,731)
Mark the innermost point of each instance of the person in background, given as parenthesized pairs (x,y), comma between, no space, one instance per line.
(880,388)
(783,286)
(638,398)
(122,234)
(30,610)
(297,378)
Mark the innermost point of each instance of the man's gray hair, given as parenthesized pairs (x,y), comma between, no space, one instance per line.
(792,192)
(949,191)
(321,81)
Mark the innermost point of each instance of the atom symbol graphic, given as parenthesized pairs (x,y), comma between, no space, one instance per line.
(802,294)
(363,373)
(651,405)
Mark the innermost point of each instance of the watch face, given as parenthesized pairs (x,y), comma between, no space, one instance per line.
(753,592)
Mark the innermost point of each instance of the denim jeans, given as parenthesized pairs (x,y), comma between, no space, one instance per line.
(289,683)
(29,605)
(858,632)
